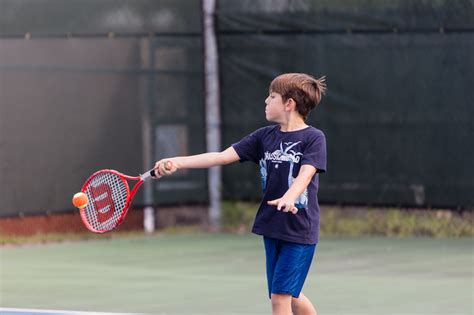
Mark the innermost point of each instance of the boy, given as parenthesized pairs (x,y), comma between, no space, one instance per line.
(291,154)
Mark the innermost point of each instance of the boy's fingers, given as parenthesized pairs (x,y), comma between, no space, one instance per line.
(285,207)
(281,205)
(160,170)
(163,169)
(157,169)
(157,166)
(168,165)
(164,165)
(273,202)
(157,173)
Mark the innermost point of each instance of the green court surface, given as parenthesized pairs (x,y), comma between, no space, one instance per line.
(225,274)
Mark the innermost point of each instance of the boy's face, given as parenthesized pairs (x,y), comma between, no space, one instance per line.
(275,109)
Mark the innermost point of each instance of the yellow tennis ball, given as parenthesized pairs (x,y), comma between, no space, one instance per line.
(80,200)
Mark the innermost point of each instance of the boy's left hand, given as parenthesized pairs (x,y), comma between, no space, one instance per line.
(285,204)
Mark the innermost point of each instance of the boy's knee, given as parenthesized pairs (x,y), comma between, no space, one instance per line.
(302,305)
(281,300)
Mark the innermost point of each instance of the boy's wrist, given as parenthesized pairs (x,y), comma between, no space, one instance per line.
(176,162)
(289,196)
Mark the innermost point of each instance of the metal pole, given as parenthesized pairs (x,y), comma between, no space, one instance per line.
(213,132)
(147,138)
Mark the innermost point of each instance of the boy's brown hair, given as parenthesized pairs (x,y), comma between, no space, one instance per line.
(304,89)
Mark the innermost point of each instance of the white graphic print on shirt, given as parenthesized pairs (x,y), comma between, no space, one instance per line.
(284,155)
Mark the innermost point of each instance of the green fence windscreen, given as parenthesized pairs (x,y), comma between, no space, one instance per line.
(398,112)
(71,106)
(397,115)
(91,17)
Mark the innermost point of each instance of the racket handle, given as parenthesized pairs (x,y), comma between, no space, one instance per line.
(148,174)
(152,173)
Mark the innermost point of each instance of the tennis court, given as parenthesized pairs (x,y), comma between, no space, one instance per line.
(224,274)
(22,311)
(111,87)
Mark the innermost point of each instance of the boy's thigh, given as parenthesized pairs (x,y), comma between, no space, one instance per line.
(287,270)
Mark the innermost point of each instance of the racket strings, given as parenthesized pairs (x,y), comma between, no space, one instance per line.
(107,193)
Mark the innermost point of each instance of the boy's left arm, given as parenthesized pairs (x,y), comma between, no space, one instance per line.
(287,202)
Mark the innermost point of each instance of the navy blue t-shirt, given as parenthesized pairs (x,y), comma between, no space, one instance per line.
(280,156)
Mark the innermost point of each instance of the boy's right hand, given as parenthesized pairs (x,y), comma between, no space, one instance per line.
(165,167)
(284,204)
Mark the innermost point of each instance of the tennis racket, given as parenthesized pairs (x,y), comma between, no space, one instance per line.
(110,198)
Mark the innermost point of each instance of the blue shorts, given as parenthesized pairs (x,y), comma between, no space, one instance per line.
(287,265)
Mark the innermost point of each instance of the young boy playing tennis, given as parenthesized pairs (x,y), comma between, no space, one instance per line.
(290,154)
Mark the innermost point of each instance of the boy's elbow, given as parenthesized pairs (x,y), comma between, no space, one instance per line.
(227,157)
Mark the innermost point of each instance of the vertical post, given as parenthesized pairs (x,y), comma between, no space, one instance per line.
(145,86)
(213,132)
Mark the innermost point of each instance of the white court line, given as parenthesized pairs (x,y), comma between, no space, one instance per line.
(25,310)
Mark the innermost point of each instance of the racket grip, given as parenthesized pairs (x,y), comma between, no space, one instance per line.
(152,173)
(148,174)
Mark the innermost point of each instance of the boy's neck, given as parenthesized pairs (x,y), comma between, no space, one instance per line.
(293,125)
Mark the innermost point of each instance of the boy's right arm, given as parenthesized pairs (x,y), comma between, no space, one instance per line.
(204,160)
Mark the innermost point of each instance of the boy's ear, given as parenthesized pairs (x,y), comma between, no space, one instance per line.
(290,104)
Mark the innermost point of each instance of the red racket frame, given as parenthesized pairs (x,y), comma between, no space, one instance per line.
(149,174)
(128,201)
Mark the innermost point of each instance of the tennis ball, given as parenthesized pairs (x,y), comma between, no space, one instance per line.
(80,200)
